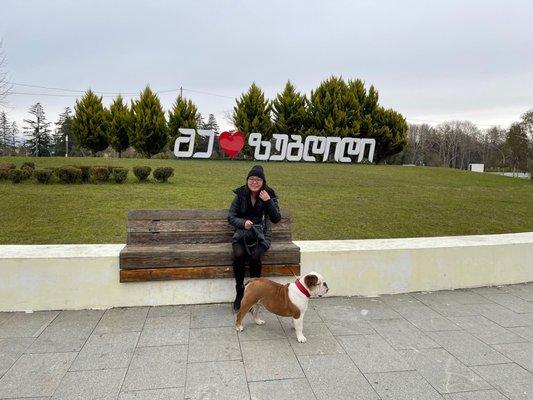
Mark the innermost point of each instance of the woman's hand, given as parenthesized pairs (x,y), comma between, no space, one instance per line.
(248,224)
(263,194)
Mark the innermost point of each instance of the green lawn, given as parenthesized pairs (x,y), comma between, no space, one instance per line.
(327,201)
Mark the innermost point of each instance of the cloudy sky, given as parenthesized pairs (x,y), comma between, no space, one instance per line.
(430,60)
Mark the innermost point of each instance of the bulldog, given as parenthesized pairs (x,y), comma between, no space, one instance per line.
(289,300)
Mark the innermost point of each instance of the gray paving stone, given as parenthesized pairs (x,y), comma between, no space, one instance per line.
(170,311)
(319,339)
(154,394)
(457,310)
(520,353)
(479,395)
(400,300)
(165,331)
(336,377)
(115,320)
(107,350)
(467,348)
(505,317)
(90,385)
(426,319)
(523,331)
(286,389)
(216,380)
(443,371)
(402,335)
(311,315)
(450,297)
(270,330)
(4,316)
(212,316)
(486,330)
(270,359)
(35,375)
(403,385)
(26,324)
(157,368)
(510,379)
(512,302)
(67,333)
(341,328)
(524,291)
(361,311)
(11,350)
(214,344)
(417,312)
(372,353)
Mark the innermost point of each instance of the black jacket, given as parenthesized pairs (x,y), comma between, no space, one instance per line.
(263,212)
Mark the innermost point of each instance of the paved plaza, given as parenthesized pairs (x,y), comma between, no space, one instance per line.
(456,345)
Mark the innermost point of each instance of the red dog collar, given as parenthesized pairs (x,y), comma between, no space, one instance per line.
(302,288)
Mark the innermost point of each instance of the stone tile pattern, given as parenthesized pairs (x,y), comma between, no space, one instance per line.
(462,344)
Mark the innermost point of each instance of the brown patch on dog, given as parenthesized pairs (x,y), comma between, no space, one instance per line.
(311,280)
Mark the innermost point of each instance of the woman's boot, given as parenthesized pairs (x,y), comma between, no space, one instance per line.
(238,297)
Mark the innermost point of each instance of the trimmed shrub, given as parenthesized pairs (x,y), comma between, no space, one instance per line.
(28,164)
(27,172)
(162,174)
(120,175)
(16,175)
(100,173)
(142,172)
(85,173)
(4,173)
(164,155)
(69,174)
(43,175)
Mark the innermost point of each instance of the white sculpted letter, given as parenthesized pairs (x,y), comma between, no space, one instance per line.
(281,146)
(317,143)
(298,145)
(372,143)
(187,137)
(206,133)
(254,140)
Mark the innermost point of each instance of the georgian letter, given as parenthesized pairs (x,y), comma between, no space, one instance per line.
(298,145)
(281,145)
(206,133)
(254,140)
(372,143)
(187,137)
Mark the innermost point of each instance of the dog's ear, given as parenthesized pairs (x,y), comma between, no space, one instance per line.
(311,280)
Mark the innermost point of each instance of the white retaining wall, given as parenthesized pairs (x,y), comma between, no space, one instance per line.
(50,277)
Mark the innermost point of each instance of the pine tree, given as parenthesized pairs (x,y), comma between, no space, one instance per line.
(149,126)
(13,141)
(120,126)
(200,123)
(334,109)
(389,128)
(212,124)
(38,130)
(252,114)
(62,131)
(289,112)
(5,130)
(184,114)
(90,122)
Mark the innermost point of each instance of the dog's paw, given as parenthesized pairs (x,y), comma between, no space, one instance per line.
(239,328)
(302,339)
(259,321)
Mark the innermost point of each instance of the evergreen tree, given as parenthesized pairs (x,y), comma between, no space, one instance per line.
(252,113)
(62,131)
(389,128)
(334,109)
(38,129)
(12,142)
(90,122)
(212,124)
(289,112)
(149,126)
(517,146)
(120,126)
(200,123)
(184,114)
(5,131)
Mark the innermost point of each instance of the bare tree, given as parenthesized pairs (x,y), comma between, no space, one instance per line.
(5,86)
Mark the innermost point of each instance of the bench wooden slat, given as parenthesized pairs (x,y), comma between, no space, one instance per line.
(160,238)
(193,214)
(189,255)
(191,226)
(163,274)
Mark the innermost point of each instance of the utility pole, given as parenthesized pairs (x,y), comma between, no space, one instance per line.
(66,143)
(181,92)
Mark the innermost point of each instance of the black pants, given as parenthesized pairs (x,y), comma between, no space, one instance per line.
(240,256)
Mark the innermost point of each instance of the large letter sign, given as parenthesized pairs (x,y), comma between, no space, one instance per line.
(283,148)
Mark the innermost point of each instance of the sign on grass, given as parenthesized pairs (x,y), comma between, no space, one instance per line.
(280,148)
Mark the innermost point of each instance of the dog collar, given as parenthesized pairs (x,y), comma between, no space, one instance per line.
(302,288)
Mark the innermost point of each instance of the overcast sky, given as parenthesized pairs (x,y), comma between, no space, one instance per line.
(430,60)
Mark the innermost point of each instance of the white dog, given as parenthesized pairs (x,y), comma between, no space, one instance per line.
(290,300)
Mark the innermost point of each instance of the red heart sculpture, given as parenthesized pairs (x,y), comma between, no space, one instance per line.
(231,143)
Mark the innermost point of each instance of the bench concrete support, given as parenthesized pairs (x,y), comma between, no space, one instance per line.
(50,277)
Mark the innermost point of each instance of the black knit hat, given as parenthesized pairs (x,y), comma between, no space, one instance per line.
(257,170)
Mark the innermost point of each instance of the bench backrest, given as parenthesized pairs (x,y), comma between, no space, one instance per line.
(191,226)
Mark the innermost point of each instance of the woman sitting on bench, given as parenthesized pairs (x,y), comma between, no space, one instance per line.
(252,209)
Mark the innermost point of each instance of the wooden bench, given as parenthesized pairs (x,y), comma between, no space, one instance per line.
(195,244)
